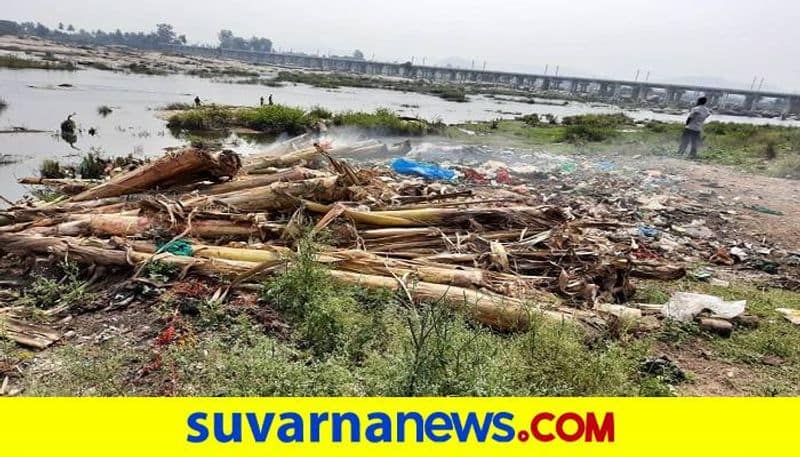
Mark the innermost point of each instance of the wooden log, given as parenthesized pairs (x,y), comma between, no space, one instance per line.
(496,311)
(179,167)
(33,335)
(83,250)
(65,185)
(278,195)
(249,182)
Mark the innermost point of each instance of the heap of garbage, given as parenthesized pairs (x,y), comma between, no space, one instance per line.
(499,252)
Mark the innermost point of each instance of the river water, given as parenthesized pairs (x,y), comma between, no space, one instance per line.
(37,101)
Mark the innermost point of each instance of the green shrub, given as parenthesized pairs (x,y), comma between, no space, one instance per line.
(531,120)
(92,166)
(273,118)
(326,315)
(178,106)
(45,292)
(319,112)
(208,117)
(450,93)
(383,121)
(578,133)
(598,120)
(51,169)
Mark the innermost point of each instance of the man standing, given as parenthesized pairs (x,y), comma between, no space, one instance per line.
(694,127)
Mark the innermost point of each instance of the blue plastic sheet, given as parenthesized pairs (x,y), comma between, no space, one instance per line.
(426,170)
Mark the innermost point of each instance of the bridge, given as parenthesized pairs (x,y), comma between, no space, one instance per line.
(663,94)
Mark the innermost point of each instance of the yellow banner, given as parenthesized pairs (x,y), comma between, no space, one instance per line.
(507,427)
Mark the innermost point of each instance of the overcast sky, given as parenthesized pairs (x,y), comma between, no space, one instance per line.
(724,41)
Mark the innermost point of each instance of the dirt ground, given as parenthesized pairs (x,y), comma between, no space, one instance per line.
(742,191)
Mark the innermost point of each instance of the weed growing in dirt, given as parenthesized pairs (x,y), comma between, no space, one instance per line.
(104,110)
(46,292)
(327,316)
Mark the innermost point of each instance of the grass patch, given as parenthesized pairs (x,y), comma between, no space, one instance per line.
(19,63)
(593,127)
(764,149)
(774,336)
(273,119)
(280,118)
(454,93)
(385,121)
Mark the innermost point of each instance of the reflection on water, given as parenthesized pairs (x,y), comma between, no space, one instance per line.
(43,99)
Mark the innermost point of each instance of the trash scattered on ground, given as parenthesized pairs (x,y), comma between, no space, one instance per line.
(426,170)
(685,306)
(509,234)
(766,210)
(792,315)
(663,367)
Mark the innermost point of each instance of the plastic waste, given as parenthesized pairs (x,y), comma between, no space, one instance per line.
(605,165)
(177,247)
(426,170)
(791,315)
(684,306)
(767,210)
(568,167)
(646,230)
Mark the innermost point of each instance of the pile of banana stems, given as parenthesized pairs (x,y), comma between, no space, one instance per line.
(495,260)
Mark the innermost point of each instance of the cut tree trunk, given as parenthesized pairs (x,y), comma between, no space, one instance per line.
(180,167)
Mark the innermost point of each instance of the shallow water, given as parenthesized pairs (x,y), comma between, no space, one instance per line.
(36,101)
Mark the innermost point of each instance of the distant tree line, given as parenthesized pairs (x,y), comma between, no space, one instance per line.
(163,34)
(227,40)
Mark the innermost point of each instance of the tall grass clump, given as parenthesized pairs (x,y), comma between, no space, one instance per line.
(50,168)
(593,127)
(328,318)
(208,117)
(92,166)
(384,122)
(273,119)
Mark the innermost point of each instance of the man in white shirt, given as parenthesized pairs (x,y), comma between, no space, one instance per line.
(694,127)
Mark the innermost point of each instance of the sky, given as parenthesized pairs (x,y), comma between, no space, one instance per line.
(721,42)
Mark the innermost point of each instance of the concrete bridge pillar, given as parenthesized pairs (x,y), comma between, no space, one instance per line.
(794,105)
(546,84)
(750,101)
(714,98)
(573,86)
